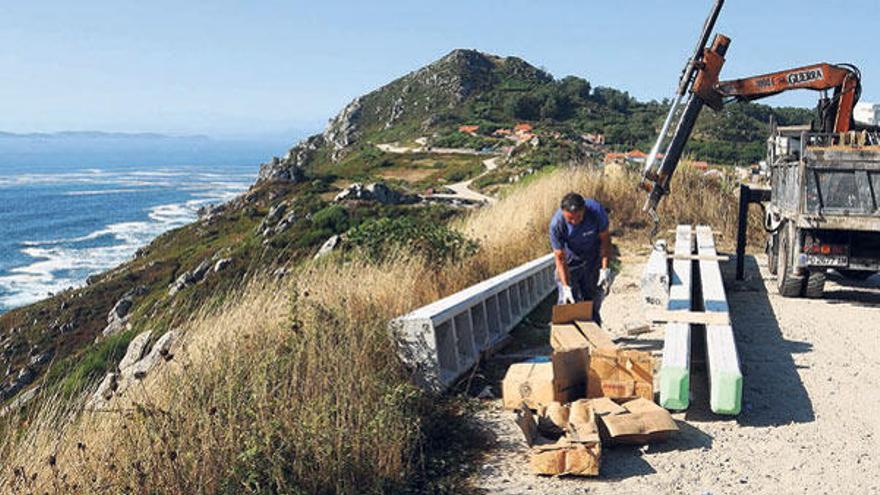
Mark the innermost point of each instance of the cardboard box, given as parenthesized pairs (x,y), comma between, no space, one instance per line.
(569,313)
(620,374)
(539,382)
(578,452)
(579,334)
(641,422)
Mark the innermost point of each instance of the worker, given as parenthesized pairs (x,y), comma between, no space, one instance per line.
(581,243)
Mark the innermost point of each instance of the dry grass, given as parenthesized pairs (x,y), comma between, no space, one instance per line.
(292,387)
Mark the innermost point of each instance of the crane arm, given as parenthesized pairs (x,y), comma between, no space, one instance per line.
(844,80)
(707,90)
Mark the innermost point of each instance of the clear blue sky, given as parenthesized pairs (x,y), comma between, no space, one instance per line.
(272,67)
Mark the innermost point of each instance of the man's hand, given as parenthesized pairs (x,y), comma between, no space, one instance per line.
(605,280)
(567,296)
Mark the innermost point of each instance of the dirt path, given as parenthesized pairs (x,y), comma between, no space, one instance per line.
(810,421)
(461,190)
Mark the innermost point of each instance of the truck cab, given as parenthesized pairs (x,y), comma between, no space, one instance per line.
(824,210)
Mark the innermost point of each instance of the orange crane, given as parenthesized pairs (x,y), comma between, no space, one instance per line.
(699,81)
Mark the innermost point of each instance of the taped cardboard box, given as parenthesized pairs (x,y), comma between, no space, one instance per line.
(620,374)
(540,381)
(577,452)
(641,421)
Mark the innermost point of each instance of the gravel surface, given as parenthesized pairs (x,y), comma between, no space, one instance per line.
(811,414)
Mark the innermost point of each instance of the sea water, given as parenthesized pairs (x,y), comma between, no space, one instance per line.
(70,210)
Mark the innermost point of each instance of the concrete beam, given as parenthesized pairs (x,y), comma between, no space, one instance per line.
(444,339)
(655,278)
(675,374)
(725,377)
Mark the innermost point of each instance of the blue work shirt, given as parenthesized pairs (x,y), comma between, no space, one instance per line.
(580,242)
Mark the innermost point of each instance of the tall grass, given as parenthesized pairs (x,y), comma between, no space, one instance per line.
(293,386)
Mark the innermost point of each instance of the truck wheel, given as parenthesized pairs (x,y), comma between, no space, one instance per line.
(815,285)
(787,283)
(772,254)
(856,274)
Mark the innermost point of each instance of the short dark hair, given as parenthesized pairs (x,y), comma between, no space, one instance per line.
(572,202)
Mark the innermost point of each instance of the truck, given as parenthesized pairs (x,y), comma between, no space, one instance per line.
(824,208)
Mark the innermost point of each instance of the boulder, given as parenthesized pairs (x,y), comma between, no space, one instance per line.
(191,277)
(40,359)
(285,223)
(117,319)
(104,392)
(268,225)
(221,264)
(161,351)
(136,349)
(328,246)
(377,191)
(20,401)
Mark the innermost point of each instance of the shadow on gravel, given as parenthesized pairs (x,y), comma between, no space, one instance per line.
(856,292)
(773,393)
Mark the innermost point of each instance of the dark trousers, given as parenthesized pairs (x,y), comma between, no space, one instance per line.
(583,280)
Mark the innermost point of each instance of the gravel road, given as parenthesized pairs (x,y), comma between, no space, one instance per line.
(811,415)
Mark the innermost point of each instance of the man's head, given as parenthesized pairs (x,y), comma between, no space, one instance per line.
(573,208)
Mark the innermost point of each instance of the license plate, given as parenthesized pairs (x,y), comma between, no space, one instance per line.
(813,260)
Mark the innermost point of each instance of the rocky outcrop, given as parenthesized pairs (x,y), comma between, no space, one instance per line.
(343,129)
(190,278)
(136,365)
(328,246)
(117,319)
(20,401)
(136,349)
(291,168)
(25,376)
(208,213)
(221,264)
(275,221)
(377,191)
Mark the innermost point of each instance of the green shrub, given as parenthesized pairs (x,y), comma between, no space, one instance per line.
(379,237)
(333,218)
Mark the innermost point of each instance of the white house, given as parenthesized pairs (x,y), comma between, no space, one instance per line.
(867,113)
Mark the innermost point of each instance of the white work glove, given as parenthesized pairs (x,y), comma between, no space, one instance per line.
(605,280)
(567,296)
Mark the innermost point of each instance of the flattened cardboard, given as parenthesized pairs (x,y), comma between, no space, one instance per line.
(643,422)
(565,456)
(604,406)
(553,420)
(582,422)
(620,374)
(569,313)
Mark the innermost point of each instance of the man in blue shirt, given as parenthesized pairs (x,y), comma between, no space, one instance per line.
(582,244)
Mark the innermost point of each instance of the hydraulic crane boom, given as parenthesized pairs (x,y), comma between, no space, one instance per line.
(700,79)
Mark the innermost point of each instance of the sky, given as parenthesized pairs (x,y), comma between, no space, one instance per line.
(268,68)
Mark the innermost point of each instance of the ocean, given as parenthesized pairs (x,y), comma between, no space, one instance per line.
(72,207)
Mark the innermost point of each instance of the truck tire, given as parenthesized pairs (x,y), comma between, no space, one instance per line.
(856,274)
(815,288)
(788,284)
(773,254)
